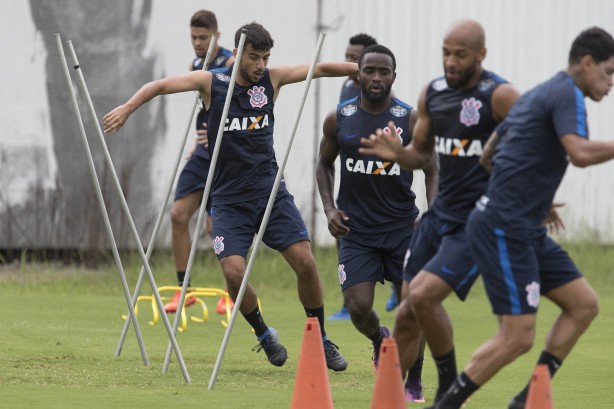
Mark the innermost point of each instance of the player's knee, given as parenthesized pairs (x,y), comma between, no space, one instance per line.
(233,276)
(420,300)
(405,322)
(404,310)
(179,217)
(519,342)
(305,265)
(593,310)
(525,344)
(358,308)
(587,312)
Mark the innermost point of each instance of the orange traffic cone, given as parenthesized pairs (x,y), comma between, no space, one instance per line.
(311,387)
(540,391)
(389,392)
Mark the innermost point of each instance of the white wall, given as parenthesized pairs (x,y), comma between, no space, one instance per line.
(527,42)
(24,117)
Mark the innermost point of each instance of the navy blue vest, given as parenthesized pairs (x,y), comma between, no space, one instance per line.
(375,194)
(462,122)
(246,165)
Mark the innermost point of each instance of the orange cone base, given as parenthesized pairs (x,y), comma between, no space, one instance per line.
(311,387)
(389,392)
(540,390)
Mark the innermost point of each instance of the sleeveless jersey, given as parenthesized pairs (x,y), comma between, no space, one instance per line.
(218,61)
(375,194)
(462,122)
(246,165)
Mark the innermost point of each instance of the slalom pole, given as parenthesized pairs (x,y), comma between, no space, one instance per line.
(203,205)
(265,218)
(169,189)
(103,210)
(126,210)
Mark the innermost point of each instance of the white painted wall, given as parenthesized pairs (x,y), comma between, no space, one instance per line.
(24,116)
(527,42)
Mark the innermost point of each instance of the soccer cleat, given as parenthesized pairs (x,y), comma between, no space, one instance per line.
(275,352)
(517,402)
(221,306)
(392,302)
(413,391)
(171,307)
(342,314)
(376,345)
(334,360)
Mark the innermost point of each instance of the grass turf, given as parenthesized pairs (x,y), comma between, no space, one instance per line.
(60,327)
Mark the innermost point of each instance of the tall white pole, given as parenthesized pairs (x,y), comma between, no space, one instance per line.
(126,210)
(169,189)
(103,210)
(203,206)
(265,217)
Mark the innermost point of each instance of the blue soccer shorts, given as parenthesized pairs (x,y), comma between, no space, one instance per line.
(193,176)
(517,266)
(372,257)
(440,247)
(236,224)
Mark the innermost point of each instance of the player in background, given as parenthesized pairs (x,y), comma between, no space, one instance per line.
(191,182)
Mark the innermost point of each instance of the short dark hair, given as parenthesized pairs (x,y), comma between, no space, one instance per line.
(363,39)
(593,41)
(377,48)
(258,36)
(205,19)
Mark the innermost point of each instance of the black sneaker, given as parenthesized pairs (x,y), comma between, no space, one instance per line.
(275,352)
(377,345)
(517,402)
(334,360)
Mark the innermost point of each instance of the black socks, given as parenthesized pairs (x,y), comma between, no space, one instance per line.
(180,278)
(461,389)
(546,358)
(446,370)
(256,321)
(319,314)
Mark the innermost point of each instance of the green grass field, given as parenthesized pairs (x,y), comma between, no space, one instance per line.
(60,326)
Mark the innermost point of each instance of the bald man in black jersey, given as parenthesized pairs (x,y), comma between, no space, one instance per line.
(456,115)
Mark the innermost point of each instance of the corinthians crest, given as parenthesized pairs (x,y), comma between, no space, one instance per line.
(341,272)
(258,98)
(218,244)
(470,114)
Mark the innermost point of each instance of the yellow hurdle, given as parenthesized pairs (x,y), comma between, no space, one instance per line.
(197,293)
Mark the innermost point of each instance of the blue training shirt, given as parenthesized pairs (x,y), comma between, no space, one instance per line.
(462,121)
(246,166)
(375,194)
(530,160)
